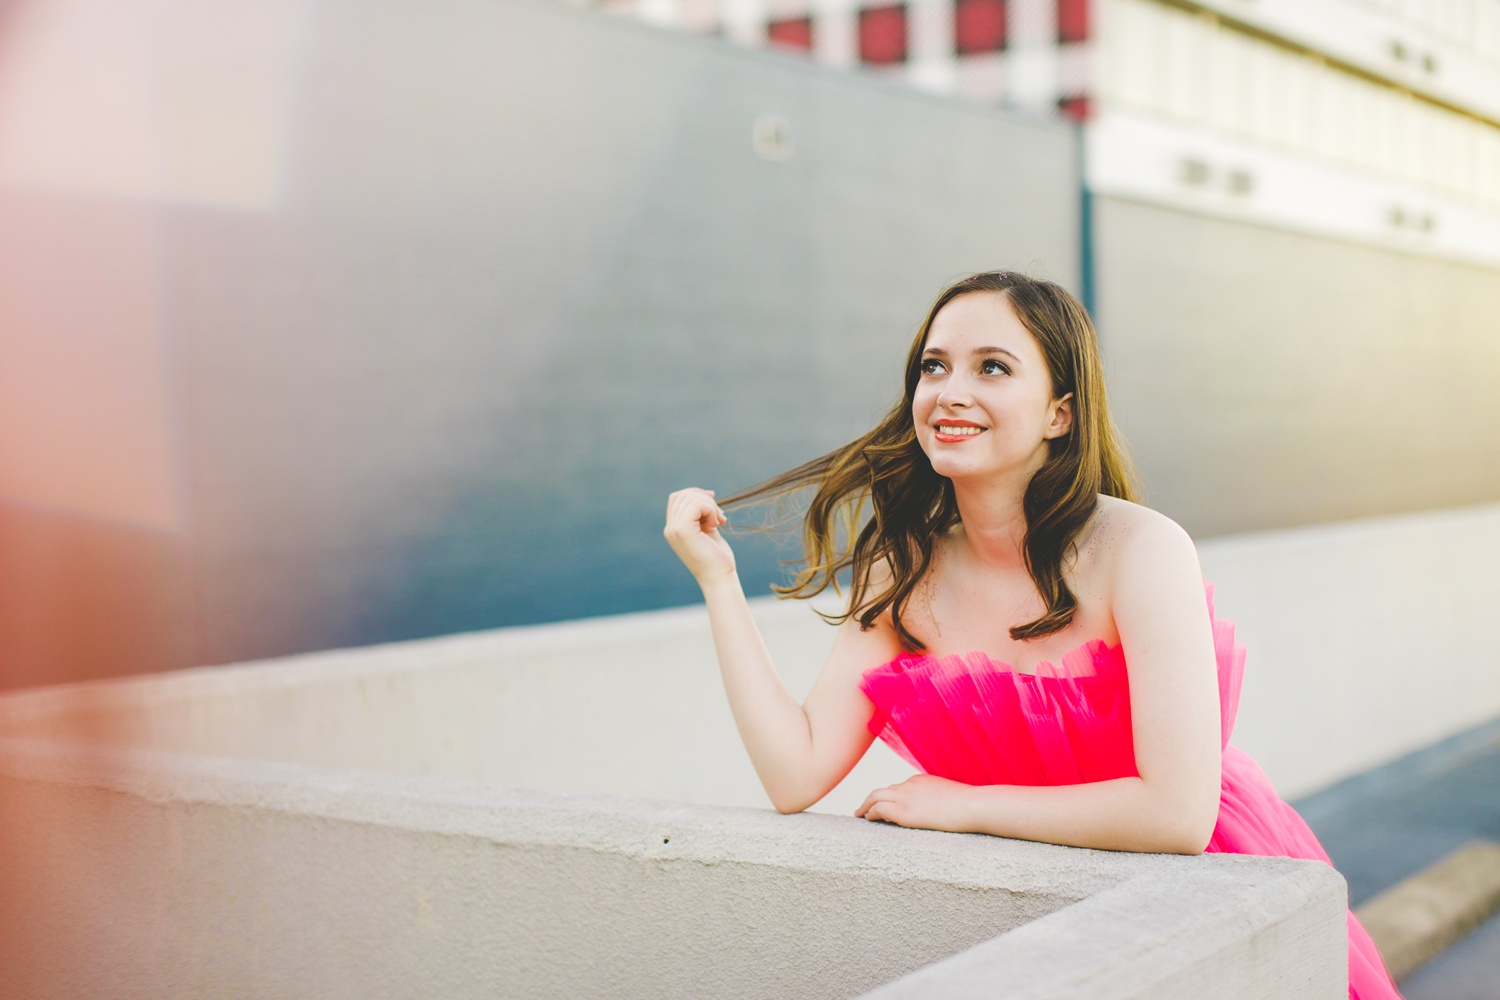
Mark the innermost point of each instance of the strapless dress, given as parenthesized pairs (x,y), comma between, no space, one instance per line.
(981,722)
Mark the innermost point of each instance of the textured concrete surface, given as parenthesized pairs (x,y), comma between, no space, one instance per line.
(1204,934)
(135,874)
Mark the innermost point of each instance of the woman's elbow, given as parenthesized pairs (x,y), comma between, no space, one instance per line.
(1192,832)
(1182,826)
(1190,844)
(786,805)
(791,800)
(1172,839)
(797,788)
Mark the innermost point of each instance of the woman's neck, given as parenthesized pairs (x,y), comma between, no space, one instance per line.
(994,522)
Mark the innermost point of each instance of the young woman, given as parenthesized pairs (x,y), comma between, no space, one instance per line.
(1002,578)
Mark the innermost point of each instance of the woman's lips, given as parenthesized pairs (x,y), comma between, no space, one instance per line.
(956,433)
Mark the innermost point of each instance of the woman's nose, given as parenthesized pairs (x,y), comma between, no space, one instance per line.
(955,393)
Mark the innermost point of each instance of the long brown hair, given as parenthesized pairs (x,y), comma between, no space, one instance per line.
(909,504)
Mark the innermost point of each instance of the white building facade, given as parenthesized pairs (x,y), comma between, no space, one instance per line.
(1371,120)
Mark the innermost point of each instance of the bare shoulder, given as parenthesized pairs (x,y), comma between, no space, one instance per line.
(1125,539)
(1119,523)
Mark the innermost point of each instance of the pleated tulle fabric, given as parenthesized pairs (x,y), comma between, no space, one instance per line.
(979,721)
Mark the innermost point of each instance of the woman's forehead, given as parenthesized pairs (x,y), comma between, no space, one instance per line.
(979,322)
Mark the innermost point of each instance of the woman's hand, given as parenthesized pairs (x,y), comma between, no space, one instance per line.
(693,522)
(924,801)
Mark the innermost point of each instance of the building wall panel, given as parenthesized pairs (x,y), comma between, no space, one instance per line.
(1268,378)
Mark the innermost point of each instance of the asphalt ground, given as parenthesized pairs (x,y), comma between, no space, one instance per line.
(1470,970)
(1387,824)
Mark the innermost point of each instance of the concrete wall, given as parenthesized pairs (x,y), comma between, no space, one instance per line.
(627,705)
(1367,639)
(164,877)
(1342,675)
(325,323)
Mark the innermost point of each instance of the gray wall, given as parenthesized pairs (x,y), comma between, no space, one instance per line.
(519,275)
(1267,378)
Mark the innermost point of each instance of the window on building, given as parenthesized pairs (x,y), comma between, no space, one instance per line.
(978,26)
(1072,20)
(792,33)
(1074,108)
(882,35)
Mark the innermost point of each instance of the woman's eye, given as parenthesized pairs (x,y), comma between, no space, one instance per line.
(930,366)
(992,367)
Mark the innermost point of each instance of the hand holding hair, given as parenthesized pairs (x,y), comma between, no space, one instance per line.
(692,529)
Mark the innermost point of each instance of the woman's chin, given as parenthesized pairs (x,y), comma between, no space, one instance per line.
(948,468)
(966,470)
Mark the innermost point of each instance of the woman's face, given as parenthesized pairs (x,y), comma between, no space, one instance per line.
(983,404)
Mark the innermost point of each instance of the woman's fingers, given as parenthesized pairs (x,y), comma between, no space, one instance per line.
(690,507)
(692,529)
(694,502)
(874,800)
(710,518)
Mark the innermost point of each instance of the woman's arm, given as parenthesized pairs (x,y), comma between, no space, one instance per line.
(799,751)
(1157,599)
(1117,815)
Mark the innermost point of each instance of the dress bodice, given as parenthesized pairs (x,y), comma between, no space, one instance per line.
(982,722)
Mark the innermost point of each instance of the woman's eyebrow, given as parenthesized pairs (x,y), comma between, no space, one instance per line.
(997,350)
(938,352)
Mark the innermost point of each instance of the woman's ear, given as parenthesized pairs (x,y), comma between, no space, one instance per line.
(1062,417)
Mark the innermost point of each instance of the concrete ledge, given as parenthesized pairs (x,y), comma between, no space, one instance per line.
(1420,916)
(147,874)
(1204,934)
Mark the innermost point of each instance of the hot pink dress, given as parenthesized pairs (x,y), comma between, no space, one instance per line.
(974,720)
